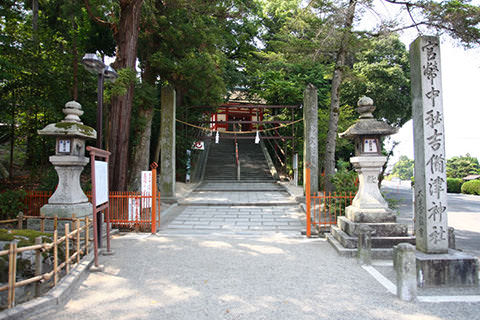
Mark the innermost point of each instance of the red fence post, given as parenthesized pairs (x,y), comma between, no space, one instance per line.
(308,199)
(154,166)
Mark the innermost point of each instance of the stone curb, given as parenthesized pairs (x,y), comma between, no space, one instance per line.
(56,297)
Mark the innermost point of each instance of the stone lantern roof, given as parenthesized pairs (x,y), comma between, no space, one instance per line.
(71,125)
(366,125)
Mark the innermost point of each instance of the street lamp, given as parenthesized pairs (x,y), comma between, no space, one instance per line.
(93,64)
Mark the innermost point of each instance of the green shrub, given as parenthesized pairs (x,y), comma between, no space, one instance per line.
(471,187)
(344,179)
(11,202)
(454,185)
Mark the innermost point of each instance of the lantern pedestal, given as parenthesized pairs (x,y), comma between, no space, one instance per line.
(69,198)
(69,161)
(369,211)
(369,215)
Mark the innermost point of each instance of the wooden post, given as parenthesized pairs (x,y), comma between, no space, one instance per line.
(307,194)
(67,248)
(55,256)
(20,221)
(42,223)
(12,270)
(55,223)
(38,265)
(86,235)
(77,226)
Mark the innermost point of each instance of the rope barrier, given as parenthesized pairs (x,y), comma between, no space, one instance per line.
(241,132)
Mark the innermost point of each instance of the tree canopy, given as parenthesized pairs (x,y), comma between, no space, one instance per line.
(205,49)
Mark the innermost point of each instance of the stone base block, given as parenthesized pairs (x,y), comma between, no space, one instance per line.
(454,268)
(377,253)
(64,210)
(385,229)
(351,242)
(377,215)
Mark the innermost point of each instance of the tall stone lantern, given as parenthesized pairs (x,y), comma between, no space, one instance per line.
(369,210)
(69,161)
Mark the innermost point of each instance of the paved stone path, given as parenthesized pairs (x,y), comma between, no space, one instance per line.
(238,219)
(195,268)
(210,277)
(237,207)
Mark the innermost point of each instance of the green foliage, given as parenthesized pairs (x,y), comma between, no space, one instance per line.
(403,168)
(381,71)
(11,203)
(454,185)
(471,187)
(462,166)
(48,179)
(126,77)
(26,237)
(345,179)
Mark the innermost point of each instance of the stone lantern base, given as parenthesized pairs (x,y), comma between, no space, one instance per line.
(66,210)
(369,211)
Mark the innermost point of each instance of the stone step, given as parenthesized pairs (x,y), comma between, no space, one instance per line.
(351,242)
(385,229)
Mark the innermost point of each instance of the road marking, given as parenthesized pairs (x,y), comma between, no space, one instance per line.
(392,288)
(380,278)
(437,299)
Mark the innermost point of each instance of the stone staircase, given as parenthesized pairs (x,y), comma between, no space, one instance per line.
(253,165)
(221,162)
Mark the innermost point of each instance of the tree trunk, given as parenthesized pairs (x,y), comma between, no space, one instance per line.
(126,37)
(141,152)
(329,162)
(75,61)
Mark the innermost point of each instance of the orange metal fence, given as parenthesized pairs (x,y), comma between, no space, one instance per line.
(126,209)
(323,209)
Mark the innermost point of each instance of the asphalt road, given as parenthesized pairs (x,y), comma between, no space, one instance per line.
(463,214)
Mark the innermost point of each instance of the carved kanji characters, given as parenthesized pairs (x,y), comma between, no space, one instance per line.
(433,118)
(438,234)
(436,186)
(432,95)
(429,48)
(431,70)
(435,140)
(436,210)
(436,163)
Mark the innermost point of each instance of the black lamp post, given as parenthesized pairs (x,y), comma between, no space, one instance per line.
(95,65)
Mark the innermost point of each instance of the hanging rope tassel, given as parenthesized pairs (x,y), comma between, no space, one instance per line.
(257,138)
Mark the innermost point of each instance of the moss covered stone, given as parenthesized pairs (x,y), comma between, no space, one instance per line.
(25,237)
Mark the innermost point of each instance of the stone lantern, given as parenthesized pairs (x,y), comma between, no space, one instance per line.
(369,210)
(69,161)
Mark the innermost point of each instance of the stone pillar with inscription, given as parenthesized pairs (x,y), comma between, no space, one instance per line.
(310,143)
(435,262)
(167,143)
(369,209)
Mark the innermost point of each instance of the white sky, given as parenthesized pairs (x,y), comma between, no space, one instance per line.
(461,91)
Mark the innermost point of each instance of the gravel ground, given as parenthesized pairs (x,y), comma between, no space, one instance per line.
(239,277)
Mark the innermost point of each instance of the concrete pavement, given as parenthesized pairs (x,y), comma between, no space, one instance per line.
(226,273)
(463,214)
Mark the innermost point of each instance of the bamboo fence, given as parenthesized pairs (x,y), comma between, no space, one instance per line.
(72,239)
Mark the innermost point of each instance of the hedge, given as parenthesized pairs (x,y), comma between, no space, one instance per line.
(454,185)
(471,187)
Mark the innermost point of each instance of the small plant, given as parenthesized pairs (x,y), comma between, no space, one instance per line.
(11,202)
(344,179)
(454,185)
(471,187)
